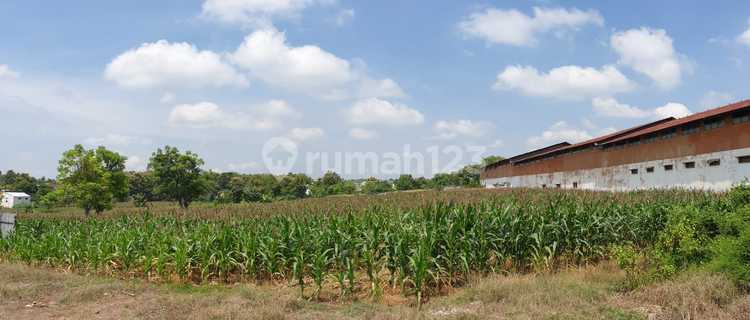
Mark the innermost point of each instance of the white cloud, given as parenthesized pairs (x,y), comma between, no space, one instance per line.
(714,99)
(566,82)
(116,140)
(344,16)
(377,111)
(209,115)
(462,128)
(363,134)
(305,134)
(136,163)
(672,109)
(380,88)
(513,27)
(559,132)
(650,52)
(744,38)
(308,69)
(7,72)
(609,107)
(244,167)
(170,65)
(256,12)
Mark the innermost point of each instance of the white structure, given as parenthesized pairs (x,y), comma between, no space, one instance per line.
(15,199)
(717,171)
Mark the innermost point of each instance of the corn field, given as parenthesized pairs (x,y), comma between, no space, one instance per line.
(412,249)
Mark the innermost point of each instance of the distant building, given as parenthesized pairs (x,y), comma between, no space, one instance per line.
(15,199)
(709,150)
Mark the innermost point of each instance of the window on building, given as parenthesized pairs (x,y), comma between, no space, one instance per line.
(713,123)
(633,171)
(690,165)
(741,116)
(650,138)
(544,186)
(714,163)
(668,134)
(743,159)
(691,128)
(650,169)
(558,186)
(668,167)
(575,185)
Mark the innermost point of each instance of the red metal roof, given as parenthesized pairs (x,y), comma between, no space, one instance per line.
(626,134)
(598,140)
(678,122)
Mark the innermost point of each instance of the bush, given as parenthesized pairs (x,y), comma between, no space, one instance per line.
(732,257)
(739,195)
(684,240)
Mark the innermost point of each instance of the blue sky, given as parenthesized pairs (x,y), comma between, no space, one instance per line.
(221,77)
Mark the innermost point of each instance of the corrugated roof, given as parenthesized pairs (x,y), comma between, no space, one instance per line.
(622,135)
(17,194)
(531,153)
(599,140)
(678,122)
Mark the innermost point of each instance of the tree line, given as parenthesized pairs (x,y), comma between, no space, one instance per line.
(93,179)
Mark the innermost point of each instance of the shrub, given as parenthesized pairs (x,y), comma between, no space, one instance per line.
(732,257)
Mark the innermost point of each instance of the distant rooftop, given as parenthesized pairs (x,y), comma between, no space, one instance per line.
(623,135)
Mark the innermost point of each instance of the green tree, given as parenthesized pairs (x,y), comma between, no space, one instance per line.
(92,178)
(142,186)
(294,186)
(330,178)
(405,182)
(374,186)
(178,175)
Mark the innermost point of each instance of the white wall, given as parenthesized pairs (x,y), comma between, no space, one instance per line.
(11,201)
(619,178)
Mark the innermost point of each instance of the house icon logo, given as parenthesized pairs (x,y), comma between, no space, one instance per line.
(279,155)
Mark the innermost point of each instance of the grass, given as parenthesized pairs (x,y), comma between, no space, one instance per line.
(580,293)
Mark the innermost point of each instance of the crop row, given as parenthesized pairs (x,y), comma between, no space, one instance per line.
(414,250)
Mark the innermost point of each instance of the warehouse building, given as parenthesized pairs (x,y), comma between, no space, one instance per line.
(708,151)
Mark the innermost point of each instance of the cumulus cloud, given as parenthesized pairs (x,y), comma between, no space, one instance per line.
(116,140)
(255,12)
(305,134)
(650,52)
(7,72)
(567,82)
(714,99)
(609,107)
(559,132)
(512,27)
(379,88)
(462,128)
(362,134)
(744,38)
(266,55)
(204,115)
(377,111)
(672,109)
(165,64)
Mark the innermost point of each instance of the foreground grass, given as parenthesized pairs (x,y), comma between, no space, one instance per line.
(584,293)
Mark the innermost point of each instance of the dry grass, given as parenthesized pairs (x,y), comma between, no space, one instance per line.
(584,293)
(693,295)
